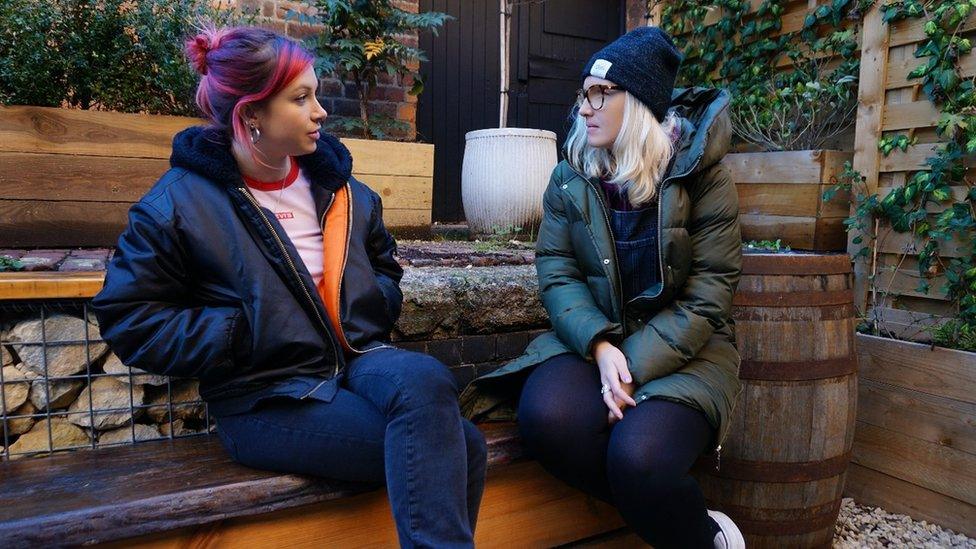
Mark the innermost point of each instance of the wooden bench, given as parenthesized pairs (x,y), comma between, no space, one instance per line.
(68,177)
(187,492)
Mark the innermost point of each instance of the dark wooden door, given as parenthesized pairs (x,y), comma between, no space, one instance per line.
(551,41)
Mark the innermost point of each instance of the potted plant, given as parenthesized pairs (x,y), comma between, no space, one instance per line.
(361,44)
(522,158)
(794,91)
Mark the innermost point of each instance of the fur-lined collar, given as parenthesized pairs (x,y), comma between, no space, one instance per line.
(207,152)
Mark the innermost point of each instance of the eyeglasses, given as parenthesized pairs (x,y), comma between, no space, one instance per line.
(595,94)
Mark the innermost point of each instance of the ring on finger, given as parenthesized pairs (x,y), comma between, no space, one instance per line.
(605,389)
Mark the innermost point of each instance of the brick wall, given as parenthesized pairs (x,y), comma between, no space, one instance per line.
(389,98)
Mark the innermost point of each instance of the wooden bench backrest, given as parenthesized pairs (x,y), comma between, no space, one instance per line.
(68,177)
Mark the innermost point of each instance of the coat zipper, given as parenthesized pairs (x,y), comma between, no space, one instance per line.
(342,270)
(623,311)
(613,247)
(294,270)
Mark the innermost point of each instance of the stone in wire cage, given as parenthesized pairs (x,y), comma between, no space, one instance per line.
(62,388)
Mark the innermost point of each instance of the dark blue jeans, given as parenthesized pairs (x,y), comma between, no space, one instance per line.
(394,418)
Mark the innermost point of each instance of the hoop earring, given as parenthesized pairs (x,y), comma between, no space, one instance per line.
(255,134)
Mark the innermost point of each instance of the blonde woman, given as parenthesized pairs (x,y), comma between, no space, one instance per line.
(638,257)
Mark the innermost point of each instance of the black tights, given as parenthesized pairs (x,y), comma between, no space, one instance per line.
(640,465)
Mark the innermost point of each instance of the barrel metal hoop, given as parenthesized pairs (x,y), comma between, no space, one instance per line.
(778,471)
(803,370)
(793,299)
(844,311)
(816,518)
(795,264)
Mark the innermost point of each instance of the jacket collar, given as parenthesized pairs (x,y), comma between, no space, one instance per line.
(207,152)
(705,128)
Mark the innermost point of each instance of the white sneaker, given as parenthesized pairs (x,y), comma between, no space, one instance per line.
(730,537)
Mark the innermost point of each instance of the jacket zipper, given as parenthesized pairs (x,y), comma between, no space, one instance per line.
(294,270)
(613,247)
(342,270)
(623,311)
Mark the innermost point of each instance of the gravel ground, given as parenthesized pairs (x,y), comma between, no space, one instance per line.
(862,526)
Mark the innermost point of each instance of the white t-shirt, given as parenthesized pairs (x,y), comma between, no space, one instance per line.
(291,201)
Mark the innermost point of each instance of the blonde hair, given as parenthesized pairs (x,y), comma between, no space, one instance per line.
(639,157)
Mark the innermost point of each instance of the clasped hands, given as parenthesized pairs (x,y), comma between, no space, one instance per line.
(617,383)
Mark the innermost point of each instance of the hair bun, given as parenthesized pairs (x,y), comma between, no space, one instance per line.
(197,49)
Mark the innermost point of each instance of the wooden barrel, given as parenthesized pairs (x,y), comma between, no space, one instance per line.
(784,461)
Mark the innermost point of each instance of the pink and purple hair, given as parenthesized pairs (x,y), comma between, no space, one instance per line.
(242,66)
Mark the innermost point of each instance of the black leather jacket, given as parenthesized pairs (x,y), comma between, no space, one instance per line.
(205,283)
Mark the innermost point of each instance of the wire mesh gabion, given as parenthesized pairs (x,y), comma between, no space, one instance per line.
(62,388)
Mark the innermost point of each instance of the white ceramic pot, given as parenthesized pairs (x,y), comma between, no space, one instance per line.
(504,174)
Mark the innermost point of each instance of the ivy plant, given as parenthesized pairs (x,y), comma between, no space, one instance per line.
(941,221)
(745,51)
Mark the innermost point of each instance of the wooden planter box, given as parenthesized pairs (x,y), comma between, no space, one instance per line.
(915,441)
(781,197)
(68,177)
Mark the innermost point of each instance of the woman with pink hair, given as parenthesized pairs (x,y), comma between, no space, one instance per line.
(259,265)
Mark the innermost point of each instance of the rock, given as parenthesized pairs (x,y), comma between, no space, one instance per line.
(82,264)
(140,377)
(500,299)
(442,302)
(62,360)
(6,357)
(61,393)
(124,434)
(21,425)
(108,394)
(187,404)
(175,428)
(16,388)
(64,435)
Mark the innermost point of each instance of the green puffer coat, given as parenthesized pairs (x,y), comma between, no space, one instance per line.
(677,335)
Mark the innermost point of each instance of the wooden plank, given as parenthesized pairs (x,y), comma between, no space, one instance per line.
(943,421)
(874,488)
(939,468)
(391,157)
(800,232)
(53,224)
(96,133)
(779,199)
(911,115)
(50,285)
(796,231)
(394,218)
(54,177)
(935,371)
(801,167)
(958,194)
(401,191)
(892,242)
(898,70)
(870,109)
(912,29)
(523,506)
(906,281)
(904,324)
(912,159)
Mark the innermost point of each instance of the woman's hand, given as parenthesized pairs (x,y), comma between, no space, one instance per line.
(617,383)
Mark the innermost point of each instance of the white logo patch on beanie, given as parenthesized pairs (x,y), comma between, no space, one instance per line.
(600,68)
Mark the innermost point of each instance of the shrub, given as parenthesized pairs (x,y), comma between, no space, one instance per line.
(120,55)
